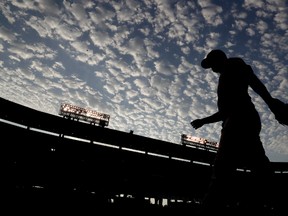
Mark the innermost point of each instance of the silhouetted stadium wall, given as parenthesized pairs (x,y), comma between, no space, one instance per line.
(54,155)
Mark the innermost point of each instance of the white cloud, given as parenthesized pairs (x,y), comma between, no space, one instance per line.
(160,83)
(281,19)
(250,4)
(28,51)
(250,31)
(262,27)
(212,40)
(211,12)
(100,39)
(6,34)
(6,10)
(40,26)
(164,67)
(68,32)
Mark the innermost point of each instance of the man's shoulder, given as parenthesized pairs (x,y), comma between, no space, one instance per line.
(238,64)
(236,60)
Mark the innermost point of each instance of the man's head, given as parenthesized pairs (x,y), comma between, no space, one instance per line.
(214,60)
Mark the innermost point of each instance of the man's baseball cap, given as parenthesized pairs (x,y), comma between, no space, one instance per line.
(212,57)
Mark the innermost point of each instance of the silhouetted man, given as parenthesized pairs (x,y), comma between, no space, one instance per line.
(240,145)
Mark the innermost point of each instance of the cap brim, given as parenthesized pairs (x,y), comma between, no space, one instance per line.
(205,63)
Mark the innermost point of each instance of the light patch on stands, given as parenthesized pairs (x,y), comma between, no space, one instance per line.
(180,159)
(37,186)
(133,150)
(211,150)
(201,163)
(165,202)
(43,131)
(201,147)
(158,155)
(280,172)
(77,139)
(106,145)
(13,123)
(243,170)
(192,146)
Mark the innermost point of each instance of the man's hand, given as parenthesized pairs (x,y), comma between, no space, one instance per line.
(280,110)
(197,123)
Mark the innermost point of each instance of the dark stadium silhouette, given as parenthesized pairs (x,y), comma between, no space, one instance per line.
(56,164)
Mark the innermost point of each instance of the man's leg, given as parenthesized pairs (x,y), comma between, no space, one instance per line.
(220,190)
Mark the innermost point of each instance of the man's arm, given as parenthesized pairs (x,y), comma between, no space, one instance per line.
(277,107)
(216,117)
(256,84)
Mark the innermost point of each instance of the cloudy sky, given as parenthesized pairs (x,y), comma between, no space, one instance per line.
(139,61)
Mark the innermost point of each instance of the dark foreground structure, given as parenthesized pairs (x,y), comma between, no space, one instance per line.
(58,165)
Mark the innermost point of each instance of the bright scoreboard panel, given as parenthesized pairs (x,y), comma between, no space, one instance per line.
(199,142)
(72,111)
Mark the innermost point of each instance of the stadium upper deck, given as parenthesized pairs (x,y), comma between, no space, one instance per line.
(51,153)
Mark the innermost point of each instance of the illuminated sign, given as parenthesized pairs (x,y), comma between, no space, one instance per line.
(198,142)
(92,116)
